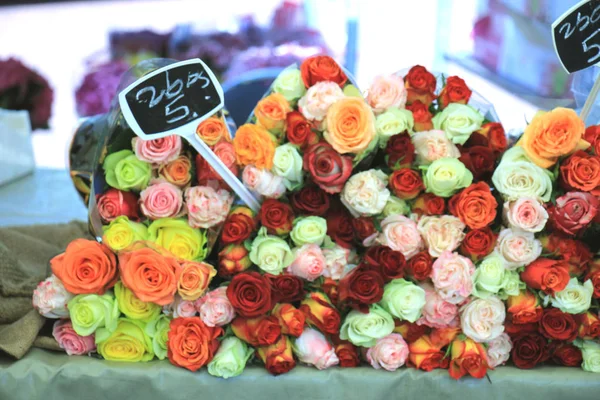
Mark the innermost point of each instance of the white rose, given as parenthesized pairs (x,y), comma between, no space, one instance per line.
(401,234)
(498,350)
(433,145)
(392,122)
(366,194)
(591,356)
(483,319)
(318,98)
(263,182)
(287,163)
(518,248)
(441,234)
(517,177)
(525,213)
(50,298)
(573,299)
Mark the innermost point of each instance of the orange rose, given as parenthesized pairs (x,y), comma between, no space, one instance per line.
(254,145)
(495,134)
(553,134)
(212,130)
(425,355)
(178,172)
(475,206)
(321,68)
(350,125)
(86,267)
(443,336)
(468,357)
(271,112)
(589,327)
(152,275)
(523,308)
(191,343)
(259,331)
(194,279)
(320,313)
(290,319)
(278,357)
(233,259)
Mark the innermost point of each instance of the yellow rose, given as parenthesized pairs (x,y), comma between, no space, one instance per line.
(128,342)
(180,239)
(122,232)
(350,125)
(133,307)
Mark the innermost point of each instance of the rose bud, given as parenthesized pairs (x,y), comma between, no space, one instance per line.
(429,204)
(361,287)
(421,115)
(347,353)
(558,325)
(286,288)
(278,357)
(114,203)
(467,357)
(524,308)
(478,243)
(400,151)
(320,313)
(330,287)
(589,327)
(290,319)
(233,259)
(425,355)
(443,336)
(238,226)
(277,217)
(411,331)
(551,276)
(455,91)
(594,276)
(566,354)
(420,85)
(573,212)
(310,200)
(406,183)
(313,348)
(496,136)
(299,131)
(529,349)
(259,331)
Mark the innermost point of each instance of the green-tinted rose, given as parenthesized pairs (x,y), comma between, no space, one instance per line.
(230,360)
(459,121)
(89,312)
(133,307)
(403,299)
(176,236)
(309,230)
(516,177)
(289,84)
(446,176)
(158,331)
(128,342)
(121,232)
(392,122)
(271,253)
(124,171)
(364,329)
(512,285)
(287,163)
(574,299)
(489,276)
(396,206)
(591,356)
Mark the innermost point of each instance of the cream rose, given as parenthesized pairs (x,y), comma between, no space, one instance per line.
(498,350)
(433,145)
(287,163)
(206,206)
(392,122)
(576,298)
(318,98)
(441,234)
(517,177)
(483,319)
(518,248)
(263,182)
(366,193)
(459,121)
(401,234)
(385,92)
(525,213)
(452,277)
(50,298)
(336,260)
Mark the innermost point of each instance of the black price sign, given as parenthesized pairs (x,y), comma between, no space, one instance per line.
(576,36)
(171,99)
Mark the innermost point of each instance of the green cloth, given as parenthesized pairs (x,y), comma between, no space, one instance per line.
(48,375)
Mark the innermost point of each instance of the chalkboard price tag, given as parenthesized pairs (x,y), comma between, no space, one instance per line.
(576,36)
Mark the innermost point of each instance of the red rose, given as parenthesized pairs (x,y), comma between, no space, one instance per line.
(250,294)
(276,216)
(429,204)
(339,226)
(321,68)
(327,168)
(299,131)
(259,331)
(529,349)
(421,116)
(594,276)
(238,226)
(558,325)
(551,276)
(361,287)
(364,227)
(278,357)
(478,243)
(290,319)
(479,160)
(592,136)
(523,308)
(514,330)
(420,85)
(320,313)
(411,331)
(566,354)
(310,200)
(406,183)
(496,136)
(347,354)
(330,287)
(388,263)
(580,171)
(419,266)
(589,326)
(573,212)
(400,151)
(476,139)
(114,203)
(286,288)
(455,91)
(573,251)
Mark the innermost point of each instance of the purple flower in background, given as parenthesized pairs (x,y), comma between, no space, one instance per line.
(99,86)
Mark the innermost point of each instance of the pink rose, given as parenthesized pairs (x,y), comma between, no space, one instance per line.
(385,92)
(452,277)
(498,350)
(401,234)
(215,308)
(318,98)
(525,213)
(433,145)
(206,206)
(437,312)
(313,348)
(113,203)
(157,151)
(180,308)
(309,263)
(263,182)
(50,298)
(70,341)
(336,260)
(161,200)
(389,353)
(574,211)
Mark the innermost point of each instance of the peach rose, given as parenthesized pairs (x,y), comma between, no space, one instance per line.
(263,182)
(177,172)
(212,130)
(350,125)
(194,279)
(401,234)
(206,206)
(317,100)
(309,262)
(161,200)
(271,111)
(385,92)
(444,233)
(254,145)
(215,308)
(525,213)
(432,145)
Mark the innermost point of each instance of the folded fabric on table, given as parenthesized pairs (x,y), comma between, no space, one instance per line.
(24,255)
